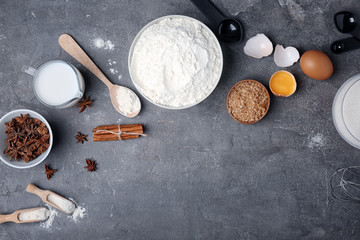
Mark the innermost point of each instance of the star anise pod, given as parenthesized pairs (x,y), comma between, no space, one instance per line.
(91,165)
(22,119)
(40,144)
(21,144)
(12,150)
(49,171)
(42,148)
(31,130)
(42,130)
(17,135)
(10,126)
(45,138)
(27,155)
(37,121)
(84,103)
(80,137)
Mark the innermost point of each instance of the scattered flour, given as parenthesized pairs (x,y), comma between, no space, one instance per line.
(295,10)
(48,223)
(103,44)
(111,62)
(79,213)
(113,71)
(120,77)
(176,62)
(109,45)
(235,7)
(316,141)
(99,43)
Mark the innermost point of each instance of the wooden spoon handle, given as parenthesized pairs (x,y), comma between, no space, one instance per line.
(31,188)
(73,48)
(6,218)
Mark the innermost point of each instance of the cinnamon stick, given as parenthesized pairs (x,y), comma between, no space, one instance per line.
(137,128)
(114,137)
(110,132)
(107,127)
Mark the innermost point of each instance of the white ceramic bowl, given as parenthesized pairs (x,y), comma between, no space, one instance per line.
(21,163)
(156,21)
(337,112)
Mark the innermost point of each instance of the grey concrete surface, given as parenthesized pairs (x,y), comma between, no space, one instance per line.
(198,174)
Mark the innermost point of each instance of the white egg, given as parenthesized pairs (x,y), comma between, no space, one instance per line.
(285,57)
(258,46)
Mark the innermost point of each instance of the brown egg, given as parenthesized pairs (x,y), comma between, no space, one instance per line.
(316,65)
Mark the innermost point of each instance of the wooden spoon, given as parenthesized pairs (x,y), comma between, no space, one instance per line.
(44,194)
(73,48)
(14,217)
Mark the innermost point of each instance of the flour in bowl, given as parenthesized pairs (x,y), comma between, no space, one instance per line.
(351,110)
(176,62)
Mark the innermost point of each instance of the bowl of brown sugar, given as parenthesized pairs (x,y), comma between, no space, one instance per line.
(248,101)
(25,138)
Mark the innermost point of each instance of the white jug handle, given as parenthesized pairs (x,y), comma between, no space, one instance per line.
(29,70)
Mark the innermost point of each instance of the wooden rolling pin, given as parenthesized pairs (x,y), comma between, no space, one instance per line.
(111,132)
(14,217)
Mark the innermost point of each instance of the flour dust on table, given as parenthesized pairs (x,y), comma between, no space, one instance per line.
(111,62)
(78,213)
(317,140)
(103,44)
(48,223)
(113,71)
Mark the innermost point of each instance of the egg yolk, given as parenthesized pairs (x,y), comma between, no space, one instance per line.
(282,83)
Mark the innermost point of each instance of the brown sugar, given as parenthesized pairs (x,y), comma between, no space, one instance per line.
(248,101)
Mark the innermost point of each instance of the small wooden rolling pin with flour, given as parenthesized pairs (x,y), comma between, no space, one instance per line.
(117,132)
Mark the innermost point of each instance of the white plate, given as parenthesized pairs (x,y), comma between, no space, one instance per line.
(21,163)
(338,109)
(156,21)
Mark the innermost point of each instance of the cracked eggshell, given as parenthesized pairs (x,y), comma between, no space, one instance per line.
(258,46)
(285,57)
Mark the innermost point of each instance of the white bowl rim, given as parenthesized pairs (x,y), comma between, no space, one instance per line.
(342,107)
(155,21)
(50,139)
(338,103)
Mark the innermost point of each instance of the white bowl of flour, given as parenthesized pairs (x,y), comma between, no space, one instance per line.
(346,111)
(175,62)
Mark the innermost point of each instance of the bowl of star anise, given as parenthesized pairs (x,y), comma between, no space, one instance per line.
(25,138)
